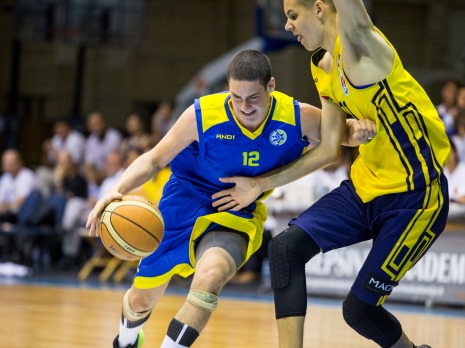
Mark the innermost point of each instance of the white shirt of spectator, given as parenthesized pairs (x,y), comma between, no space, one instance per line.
(446,117)
(456,181)
(14,188)
(460,144)
(97,149)
(300,194)
(108,183)
(74,144)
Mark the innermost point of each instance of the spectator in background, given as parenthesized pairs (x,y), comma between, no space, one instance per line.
(101,141)
(67,179)
(461,98)
(64,138)
(16,183)
(455,173)
(459,137)
(78,208)
(113,169)
(67,139)
(137,136)
(447,109)
(161,121)
(130,155)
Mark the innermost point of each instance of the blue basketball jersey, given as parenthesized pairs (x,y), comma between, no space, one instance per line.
(226,149)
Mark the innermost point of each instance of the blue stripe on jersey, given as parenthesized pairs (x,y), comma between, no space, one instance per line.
(399,137)
(425,142)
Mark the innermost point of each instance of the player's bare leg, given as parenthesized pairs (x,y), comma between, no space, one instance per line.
(213,272)
(137,307)
(215,267)
(291,332)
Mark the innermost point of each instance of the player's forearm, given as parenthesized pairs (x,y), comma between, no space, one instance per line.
(317,158)
(137,174)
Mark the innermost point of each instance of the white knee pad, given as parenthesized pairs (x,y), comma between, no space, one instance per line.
(203,300)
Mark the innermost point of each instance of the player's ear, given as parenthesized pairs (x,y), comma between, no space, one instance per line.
(271,85)
(319,8)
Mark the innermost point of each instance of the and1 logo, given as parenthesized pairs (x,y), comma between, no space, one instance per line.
(278,137)
(380,286)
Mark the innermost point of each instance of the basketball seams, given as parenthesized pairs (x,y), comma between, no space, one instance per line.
(132,213)
(140,204)
(119,240)
(135,223)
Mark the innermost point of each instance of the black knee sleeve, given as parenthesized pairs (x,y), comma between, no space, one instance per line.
(372,322)
(289,252)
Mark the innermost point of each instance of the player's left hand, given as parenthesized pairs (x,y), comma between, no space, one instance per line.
(362,131)
(93,219)
(244,193)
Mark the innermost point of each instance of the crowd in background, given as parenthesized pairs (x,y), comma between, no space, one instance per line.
(452,112)
(77,169)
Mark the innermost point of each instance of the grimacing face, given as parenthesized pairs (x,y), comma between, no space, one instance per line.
(250,102)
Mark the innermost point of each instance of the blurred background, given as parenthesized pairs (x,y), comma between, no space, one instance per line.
(66,58)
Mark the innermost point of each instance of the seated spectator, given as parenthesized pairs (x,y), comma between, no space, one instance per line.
(16,183)
(101,141)
(455,174)
(65,138)
(67,179)
(137,136)
(161,122)
(78,208)
(461,99)
(447,109)
(459,137)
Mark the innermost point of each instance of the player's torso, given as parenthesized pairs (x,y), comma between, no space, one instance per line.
(227,149)
(410,148)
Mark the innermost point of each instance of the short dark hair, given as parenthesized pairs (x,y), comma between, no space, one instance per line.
(250,65)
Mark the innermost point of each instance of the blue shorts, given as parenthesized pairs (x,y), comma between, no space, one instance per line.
(186,219)
(402,226)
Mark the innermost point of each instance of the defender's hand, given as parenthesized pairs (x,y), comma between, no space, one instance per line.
(237,197)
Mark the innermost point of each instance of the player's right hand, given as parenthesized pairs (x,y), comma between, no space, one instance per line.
(94,216)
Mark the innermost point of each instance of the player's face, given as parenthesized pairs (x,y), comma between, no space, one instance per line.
(250,101)
(303,23)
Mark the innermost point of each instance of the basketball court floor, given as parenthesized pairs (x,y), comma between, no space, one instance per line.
(60,312)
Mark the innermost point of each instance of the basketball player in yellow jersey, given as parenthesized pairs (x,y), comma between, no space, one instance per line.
(397,194)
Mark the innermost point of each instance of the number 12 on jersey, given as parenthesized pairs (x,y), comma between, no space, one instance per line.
(250,158)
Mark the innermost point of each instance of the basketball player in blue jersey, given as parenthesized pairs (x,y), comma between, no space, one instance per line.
(247,131)
(397,193)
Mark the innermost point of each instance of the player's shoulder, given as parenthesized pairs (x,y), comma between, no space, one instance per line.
(212,100)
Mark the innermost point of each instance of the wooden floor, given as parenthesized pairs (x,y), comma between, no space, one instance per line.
(68,317)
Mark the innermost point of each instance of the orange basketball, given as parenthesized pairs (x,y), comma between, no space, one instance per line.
(132,228)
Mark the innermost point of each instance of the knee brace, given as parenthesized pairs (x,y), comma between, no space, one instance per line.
(372,322)
(203,300)
(289,252)
(133,319)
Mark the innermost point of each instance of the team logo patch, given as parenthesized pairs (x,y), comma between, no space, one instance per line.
(342,80)
(278,137)
(381,286)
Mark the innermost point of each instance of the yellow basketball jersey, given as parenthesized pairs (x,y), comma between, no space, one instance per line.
(411,146)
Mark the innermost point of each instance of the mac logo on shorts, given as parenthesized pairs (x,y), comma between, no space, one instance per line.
(381,286)
(278,137)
